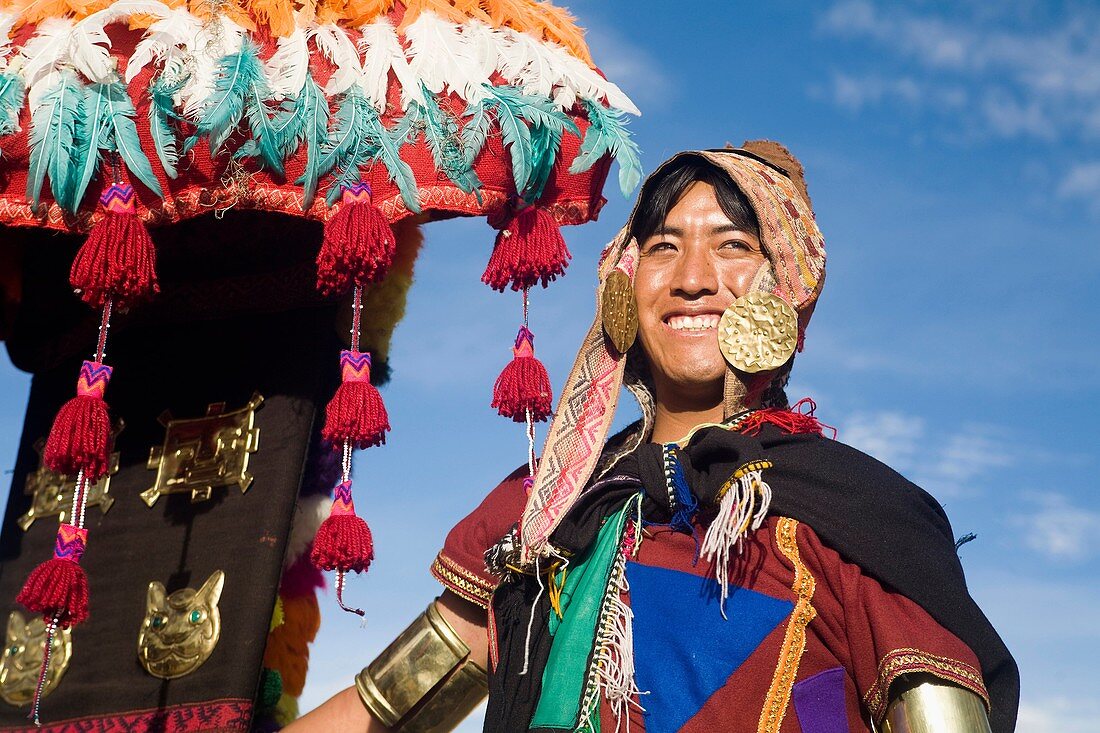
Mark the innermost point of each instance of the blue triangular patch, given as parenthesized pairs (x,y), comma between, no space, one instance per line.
(684,651)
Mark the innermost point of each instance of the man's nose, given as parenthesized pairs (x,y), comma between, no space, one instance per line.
(696,274)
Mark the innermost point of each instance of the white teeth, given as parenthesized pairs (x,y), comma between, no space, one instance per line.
(693,323)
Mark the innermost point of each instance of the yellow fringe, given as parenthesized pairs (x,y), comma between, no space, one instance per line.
(286,710)
(385,302)
(278,617)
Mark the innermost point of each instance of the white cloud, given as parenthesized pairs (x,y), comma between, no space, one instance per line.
(946,464)
(1081,181)
(1057,528)
(1057,715)
(1029,79)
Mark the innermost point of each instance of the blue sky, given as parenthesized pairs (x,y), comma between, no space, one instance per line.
(953,156)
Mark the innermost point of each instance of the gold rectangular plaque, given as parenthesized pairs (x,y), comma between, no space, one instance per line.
(53,493)
(201,454)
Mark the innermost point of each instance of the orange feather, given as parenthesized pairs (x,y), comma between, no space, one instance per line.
(361,12)
(561,28)
(471,9)
(516,14)
(35,11)
(288,644)
(278,15)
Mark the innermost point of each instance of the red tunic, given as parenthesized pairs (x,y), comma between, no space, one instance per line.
(811,643)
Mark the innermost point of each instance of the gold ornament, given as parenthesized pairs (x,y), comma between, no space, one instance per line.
(758,332)
(203,453)
(22,661)
(180,631)
(619,311)
(52,493)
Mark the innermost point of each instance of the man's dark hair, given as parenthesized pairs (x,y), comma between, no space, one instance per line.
(662,192)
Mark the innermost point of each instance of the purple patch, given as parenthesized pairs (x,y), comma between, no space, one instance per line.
(819,702)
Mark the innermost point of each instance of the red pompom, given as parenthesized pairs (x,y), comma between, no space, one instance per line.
(358,246)
(79,439)
(118,260)
(529,249)
(57,588)
(524,384)
(792,421)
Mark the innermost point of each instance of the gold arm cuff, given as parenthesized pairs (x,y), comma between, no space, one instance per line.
(933,706)
(423,682)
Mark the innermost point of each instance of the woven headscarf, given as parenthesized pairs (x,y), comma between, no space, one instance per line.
(771,178)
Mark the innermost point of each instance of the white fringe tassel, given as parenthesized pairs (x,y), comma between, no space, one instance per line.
(742,509)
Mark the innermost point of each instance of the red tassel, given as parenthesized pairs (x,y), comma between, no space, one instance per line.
(58,588)
(81,434)
(524,384)
(358,246)
(343,540)
(118,260)
(356,412)
(529,250)
(792,421)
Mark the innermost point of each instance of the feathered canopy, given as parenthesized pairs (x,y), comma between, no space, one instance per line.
(444,107)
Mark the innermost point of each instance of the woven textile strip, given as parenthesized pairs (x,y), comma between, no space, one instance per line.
(581,423)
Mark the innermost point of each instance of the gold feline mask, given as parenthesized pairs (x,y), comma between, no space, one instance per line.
(181,630)
(22,660)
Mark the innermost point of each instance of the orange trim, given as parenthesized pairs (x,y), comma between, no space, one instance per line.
(794,640)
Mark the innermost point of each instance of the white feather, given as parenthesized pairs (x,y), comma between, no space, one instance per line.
(530,64)
(89,48)
(486,44)
(46,51)
(169,40)
(7,22)
(587,83)
(212,43)
(334,43)
(441,58)
(383,53)
(287,68)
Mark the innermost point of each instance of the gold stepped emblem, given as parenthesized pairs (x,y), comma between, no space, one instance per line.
(52,493)
(201,454)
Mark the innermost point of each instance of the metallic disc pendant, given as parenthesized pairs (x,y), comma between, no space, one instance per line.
(758,332)
(620,311)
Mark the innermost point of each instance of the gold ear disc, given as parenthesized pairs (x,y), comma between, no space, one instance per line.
(758,332)
(619,311)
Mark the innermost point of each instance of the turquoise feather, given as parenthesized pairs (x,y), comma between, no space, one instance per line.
(55,140)
(359,138)
(126,141)
(531,128)
(607,133)
(239,84)
(444,141)
(12,95)
(312,109)
(109,127)
(162,123)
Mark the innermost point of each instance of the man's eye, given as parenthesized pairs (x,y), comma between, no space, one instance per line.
(660,247)
(735,244)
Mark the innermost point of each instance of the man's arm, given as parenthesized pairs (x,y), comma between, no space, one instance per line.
(345,711)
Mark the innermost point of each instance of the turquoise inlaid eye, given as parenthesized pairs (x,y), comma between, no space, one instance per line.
(196,616)
(159,621)
(13,649)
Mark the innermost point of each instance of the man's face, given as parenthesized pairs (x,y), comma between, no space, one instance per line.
(689,271)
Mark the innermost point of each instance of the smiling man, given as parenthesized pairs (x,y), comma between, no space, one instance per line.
(720,564)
